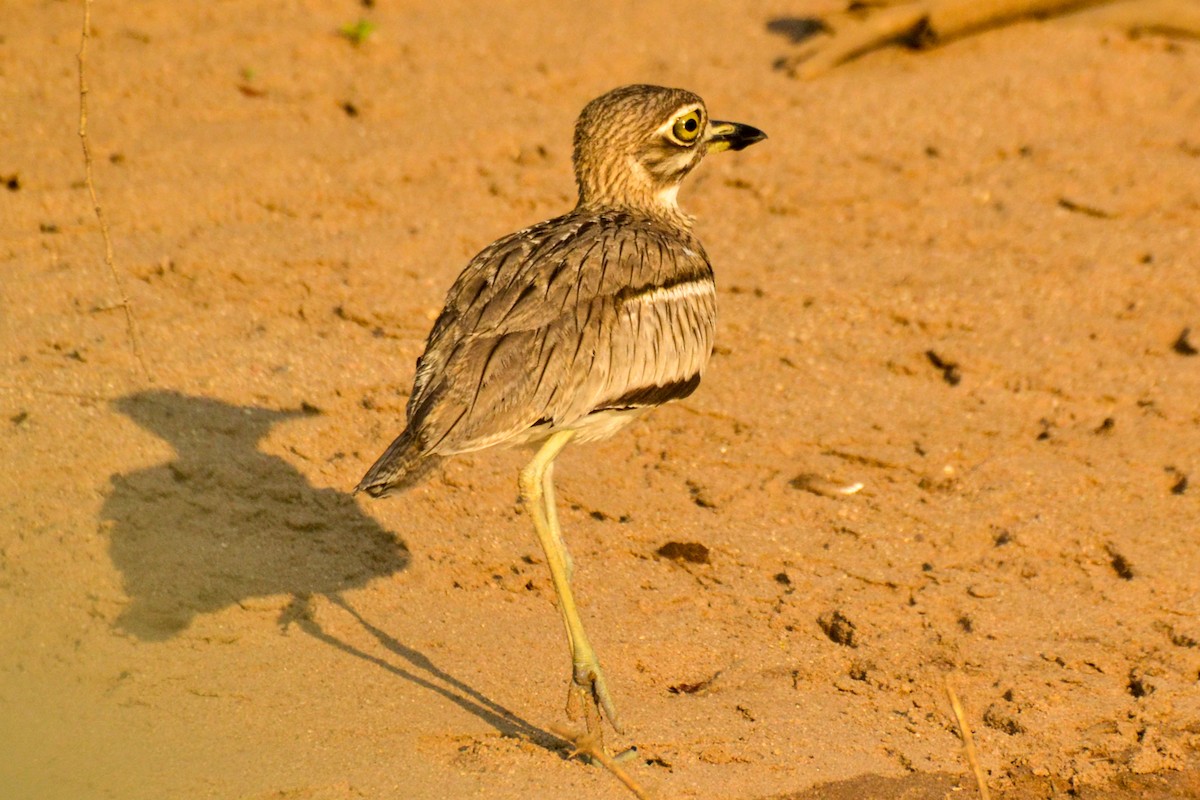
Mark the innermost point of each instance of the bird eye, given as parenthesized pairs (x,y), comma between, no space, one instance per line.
(687,128)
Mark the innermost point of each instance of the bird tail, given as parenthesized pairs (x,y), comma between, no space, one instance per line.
(402,465)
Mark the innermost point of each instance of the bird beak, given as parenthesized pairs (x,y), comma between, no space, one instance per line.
(731,136)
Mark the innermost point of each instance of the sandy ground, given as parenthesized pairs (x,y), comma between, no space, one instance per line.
(958,278)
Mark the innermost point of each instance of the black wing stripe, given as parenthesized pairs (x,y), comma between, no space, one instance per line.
(653,395)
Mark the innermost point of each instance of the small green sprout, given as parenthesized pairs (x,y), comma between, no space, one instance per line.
(357,32)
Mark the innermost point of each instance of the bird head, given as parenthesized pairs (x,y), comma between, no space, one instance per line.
(634,145)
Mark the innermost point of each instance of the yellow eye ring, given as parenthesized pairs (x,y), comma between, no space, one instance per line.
(686,129)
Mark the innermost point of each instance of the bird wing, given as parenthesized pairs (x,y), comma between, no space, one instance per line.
(569,317)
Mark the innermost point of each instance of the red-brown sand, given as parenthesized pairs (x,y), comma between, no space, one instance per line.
(959,278)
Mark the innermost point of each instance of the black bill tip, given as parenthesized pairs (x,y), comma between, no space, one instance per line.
(733,136)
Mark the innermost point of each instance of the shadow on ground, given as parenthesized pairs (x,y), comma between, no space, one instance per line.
(224,522)
(1181,785)
(424,673)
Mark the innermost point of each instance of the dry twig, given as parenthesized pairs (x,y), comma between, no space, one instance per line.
(1166,17)
(130,326)
(968,740)
(924,23)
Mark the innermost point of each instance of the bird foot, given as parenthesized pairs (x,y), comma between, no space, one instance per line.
(589,693)
(590,745)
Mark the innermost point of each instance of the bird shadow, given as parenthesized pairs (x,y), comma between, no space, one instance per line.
(224,522)
(438,681)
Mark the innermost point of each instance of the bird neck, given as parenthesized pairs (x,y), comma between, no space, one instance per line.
(660,205)
(629,187)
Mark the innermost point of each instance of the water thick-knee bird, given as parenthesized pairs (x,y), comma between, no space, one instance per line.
(567,330)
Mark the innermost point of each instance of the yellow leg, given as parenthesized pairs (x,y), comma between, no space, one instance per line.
(537,490)
(550,505)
